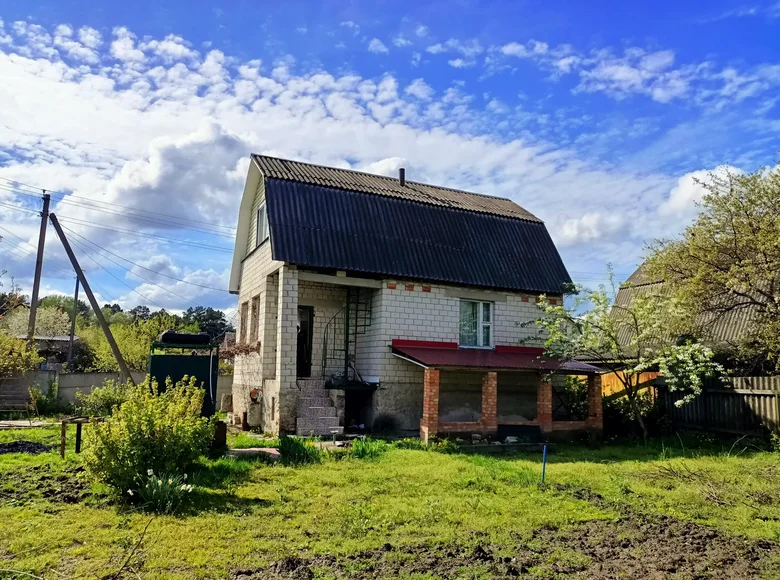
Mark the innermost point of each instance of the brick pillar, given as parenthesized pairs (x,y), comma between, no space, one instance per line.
(488,420)
(287,346)
(268,328)
(595,407)
(544,399)
(429,425)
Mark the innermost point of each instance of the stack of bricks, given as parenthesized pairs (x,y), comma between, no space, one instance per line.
(595,408)
(429,425)
(544,402)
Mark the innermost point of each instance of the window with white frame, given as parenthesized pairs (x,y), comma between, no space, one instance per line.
(262,224)
(476,324)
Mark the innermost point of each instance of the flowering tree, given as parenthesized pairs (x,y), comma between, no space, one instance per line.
(627,338)
(16,356)
(49,321)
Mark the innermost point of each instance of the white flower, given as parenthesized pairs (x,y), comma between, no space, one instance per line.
(159,482)
(130,492)
(170,481)
(185,477)
(149,472)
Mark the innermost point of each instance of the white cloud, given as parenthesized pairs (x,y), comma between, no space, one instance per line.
(388,167)
(377,46)
(591,227)
(684,197)
(123,48)
(171,48)
(515,49)
(400,41)
(418,88)
(302,30)
(468,48)
(421,31)
(460,63)
(90,37)
(436,48)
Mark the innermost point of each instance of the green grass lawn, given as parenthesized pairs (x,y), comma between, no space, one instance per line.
(251,515)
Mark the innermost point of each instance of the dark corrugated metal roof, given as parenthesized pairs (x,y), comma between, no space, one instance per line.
(446,356)
(325,227)
(275,168)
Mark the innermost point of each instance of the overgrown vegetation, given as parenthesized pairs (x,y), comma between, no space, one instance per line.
(18,357)
(157,431)
(367,448)
(410,512)
(47,403)
(299,451)
(103,400)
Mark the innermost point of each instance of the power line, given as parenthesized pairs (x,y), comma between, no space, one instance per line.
(136,274)
(144,267)
(36,191)
(150,236)
(110,273)
(17,208)
(185,224)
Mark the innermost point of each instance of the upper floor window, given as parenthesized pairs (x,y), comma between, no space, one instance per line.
(262,224)
(476,324)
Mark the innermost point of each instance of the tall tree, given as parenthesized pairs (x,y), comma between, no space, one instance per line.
(728,260)
(208,320)
(64,303)
(140,313)
(48,322)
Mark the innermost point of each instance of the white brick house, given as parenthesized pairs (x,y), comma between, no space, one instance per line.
(377,303)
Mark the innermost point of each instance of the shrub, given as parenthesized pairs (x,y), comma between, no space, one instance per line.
(442,446)
(102,401)
(162,431)
(163,494)
(46,404)
(368,448)
(299,451)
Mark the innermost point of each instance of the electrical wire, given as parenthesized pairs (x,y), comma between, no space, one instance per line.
(135,273)
(143,267)
(36,192)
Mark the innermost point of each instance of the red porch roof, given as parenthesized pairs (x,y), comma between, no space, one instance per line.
(448,354)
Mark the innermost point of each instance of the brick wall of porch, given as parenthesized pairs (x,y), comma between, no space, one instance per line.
(431,426)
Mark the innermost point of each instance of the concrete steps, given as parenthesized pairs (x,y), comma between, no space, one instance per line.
(316,414)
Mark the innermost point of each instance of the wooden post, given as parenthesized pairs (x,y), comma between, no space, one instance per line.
(63,433)
(95,306)
(78,437)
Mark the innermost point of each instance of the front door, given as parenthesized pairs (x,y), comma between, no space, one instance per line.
(305,334)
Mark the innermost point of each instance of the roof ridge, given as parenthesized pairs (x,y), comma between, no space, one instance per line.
(394,179)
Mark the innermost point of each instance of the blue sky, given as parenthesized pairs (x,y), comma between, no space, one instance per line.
(595,116)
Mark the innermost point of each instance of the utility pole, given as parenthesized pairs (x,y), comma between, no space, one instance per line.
(95,306)
(38,267)
(73,322)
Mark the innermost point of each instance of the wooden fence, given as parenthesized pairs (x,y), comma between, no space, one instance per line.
(750,406)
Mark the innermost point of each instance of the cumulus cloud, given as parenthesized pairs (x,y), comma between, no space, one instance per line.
(377,46)
(590,227)
(682,201)
(418,88)
(124,48)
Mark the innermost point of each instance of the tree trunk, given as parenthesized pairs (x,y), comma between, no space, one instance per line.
(632,400)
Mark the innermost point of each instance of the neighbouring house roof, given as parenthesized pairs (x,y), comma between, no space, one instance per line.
(448,354)
(330,218)
(726,328)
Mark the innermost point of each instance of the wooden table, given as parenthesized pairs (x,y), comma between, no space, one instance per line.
(78,421)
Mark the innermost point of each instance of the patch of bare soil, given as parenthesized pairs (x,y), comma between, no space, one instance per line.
(24,447)
(634,546)
(40,481)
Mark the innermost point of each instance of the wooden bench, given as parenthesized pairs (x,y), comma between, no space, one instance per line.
(78,421)
(16,398)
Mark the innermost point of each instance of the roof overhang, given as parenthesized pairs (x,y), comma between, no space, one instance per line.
(242,230)
(509,358)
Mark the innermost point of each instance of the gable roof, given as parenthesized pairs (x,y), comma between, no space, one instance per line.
(347,179)
(336,219)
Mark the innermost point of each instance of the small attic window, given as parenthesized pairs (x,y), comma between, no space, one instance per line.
(262,225)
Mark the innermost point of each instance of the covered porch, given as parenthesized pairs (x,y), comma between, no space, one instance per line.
(487,391)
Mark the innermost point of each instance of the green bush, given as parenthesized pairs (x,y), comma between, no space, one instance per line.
(102,401)
(163,494)
(368,448)
(47,404)
(161,431)
(299,451)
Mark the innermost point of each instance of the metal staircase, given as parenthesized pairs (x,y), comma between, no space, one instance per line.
(339,346)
